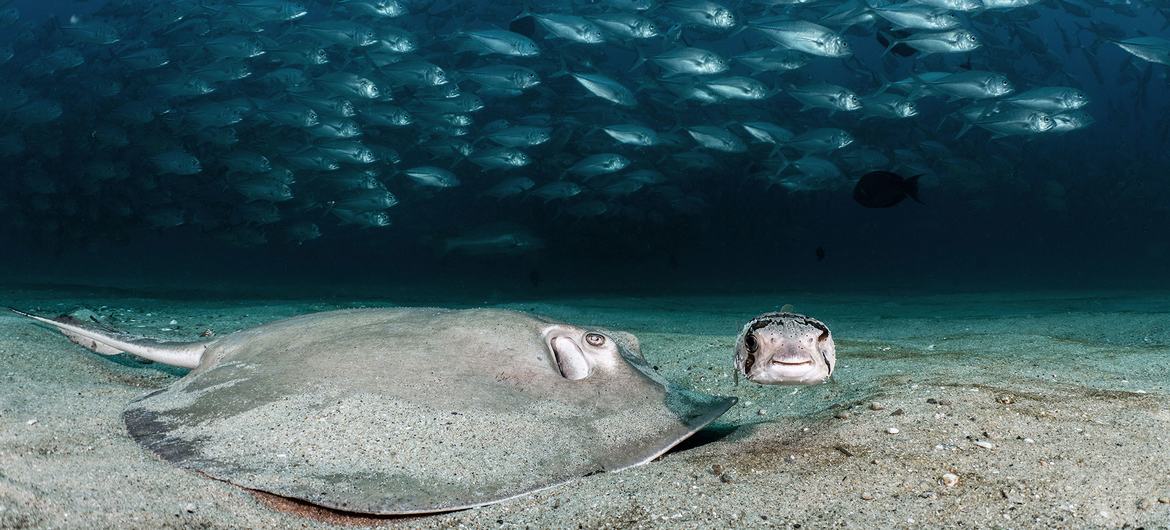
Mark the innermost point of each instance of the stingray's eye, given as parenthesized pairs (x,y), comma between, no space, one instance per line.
(749,341)
(596,340)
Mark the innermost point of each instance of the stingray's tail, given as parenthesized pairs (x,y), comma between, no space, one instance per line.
(109,342)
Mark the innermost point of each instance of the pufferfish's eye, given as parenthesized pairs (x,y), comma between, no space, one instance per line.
(596,340)
(749,341)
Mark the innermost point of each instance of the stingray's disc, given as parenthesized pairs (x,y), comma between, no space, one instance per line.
(399,411)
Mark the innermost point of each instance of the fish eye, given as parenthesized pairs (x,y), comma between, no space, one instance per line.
(596,340)
(750,342)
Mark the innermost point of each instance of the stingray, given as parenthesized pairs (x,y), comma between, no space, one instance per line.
(405,411)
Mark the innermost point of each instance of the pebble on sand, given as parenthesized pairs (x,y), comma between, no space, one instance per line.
(876,406)
(984,444)
(893,430)
(841,415)
(950,480)
(867,496)
(31,422)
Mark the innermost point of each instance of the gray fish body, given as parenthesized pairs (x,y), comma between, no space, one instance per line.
(521,136)
(500,158)
(768,132)
(826,96)
(887,105)
(910,16)
(571,27)
(504,76)
(1151,49)
(1050,99)
(626,25)
(366,200)
(606,88)
(702,13)
(364,219)
(177,162)
(953,5)
(495,239)
(631,134)
(561,189)
(953,41)
(599,164)
(511,187)
(1015,122)
(774,60)
(717,139)
(1071,121)
(502,42)
(738,87)
(820,140)
(974,84)
(432,177)
(259,189)
(803,36)
(690,61)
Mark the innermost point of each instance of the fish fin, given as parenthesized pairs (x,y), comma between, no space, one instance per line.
(966,127)
(525,12)
(106,342)
(639,61)
(912,188)
(893,41)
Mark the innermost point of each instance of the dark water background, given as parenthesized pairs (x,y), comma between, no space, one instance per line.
(1087,209)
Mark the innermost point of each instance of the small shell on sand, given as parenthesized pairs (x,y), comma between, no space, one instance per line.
(950,480)
(867,496)
(31,422)
(984,444)
(892,430)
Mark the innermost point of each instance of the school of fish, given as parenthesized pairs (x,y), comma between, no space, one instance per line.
(277,121)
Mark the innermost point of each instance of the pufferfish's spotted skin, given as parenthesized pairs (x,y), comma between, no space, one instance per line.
(785,348)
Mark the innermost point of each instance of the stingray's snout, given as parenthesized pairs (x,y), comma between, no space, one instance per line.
(570,358)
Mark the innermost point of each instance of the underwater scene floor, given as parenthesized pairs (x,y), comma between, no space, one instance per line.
(988,410)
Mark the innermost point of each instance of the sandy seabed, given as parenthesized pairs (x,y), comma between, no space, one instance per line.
(990,410)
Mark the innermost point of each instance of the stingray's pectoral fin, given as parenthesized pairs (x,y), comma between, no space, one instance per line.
(108,342)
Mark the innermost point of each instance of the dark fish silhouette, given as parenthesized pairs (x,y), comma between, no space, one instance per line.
(883,189)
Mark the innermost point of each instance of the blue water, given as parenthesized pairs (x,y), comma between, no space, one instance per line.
(1086,207)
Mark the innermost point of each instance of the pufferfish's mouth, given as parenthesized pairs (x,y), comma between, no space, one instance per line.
(792,362)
